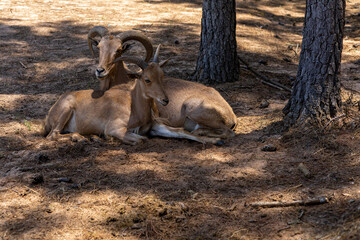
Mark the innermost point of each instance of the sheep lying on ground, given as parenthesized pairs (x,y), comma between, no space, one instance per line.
(196,108)
(124,111)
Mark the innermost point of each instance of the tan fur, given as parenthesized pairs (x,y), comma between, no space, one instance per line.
(112,73)
(191,104)
(121,109)
(198,103)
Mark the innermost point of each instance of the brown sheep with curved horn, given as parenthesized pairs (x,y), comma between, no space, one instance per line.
(195,111)
(195,107)
(124,111)
(107,71)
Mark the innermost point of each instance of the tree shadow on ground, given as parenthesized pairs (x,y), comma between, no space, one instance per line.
(237,173)
(56,60)
(206,187)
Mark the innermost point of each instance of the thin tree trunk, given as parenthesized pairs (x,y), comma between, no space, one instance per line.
(217,60)
(316,91)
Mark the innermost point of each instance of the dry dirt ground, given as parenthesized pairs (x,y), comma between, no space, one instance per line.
(168,188)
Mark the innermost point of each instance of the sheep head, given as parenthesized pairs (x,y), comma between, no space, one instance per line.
(152,77)
(112,47)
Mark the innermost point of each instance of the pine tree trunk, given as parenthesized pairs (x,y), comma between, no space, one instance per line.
(217,60)
(316,91)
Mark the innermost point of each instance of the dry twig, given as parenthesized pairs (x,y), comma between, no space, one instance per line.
(23,65)
(314,201)
(294,187)
(265,80)
(282,229)
(333,119)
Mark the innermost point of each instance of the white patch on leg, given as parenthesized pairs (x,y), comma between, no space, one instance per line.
(170,132)
(163,131)
(71,125)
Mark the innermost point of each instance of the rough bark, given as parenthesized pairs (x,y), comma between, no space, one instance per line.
(316,91)
(217,60)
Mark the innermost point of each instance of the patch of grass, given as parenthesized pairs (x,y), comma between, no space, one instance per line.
(27,124)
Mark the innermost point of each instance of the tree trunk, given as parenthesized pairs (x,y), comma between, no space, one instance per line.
(217,60)
(316,91)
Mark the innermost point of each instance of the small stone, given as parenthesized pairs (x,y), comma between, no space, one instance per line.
(42,158)
(74,186)
(183,207)
(136,226)
(139,218)
(264,104)
(268,148)
(163,212)
(263,62)
(37,179)
(194,196)
(65,179)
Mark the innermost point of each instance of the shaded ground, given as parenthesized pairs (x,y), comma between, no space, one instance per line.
(170,189)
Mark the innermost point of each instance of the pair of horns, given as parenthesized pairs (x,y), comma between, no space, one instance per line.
(124,37)
(141,63)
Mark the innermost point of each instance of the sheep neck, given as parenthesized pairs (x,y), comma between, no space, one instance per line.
(119,75)
(140,104)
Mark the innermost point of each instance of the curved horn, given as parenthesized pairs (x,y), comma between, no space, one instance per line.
(137,36)
(94,32)
(156,56)
(138,61)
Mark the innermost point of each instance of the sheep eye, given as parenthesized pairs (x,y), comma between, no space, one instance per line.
(147,80)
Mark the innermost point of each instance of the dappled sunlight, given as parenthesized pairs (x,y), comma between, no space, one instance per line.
(44,69)
(167,188)
(131,164)
(214,156)
(9,103)
(252,169)
(291,9)
(247,124)
(27,211)
(44,31)
(104,13)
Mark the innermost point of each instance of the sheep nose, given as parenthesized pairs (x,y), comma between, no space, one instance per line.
(100,70)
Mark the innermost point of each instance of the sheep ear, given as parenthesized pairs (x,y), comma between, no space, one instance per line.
(162,63)
(127,46)
(94,42)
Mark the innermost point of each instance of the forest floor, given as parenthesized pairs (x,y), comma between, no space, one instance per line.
(169,188)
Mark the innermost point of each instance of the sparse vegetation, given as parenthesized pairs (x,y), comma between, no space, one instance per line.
(27,124)
(167,188)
